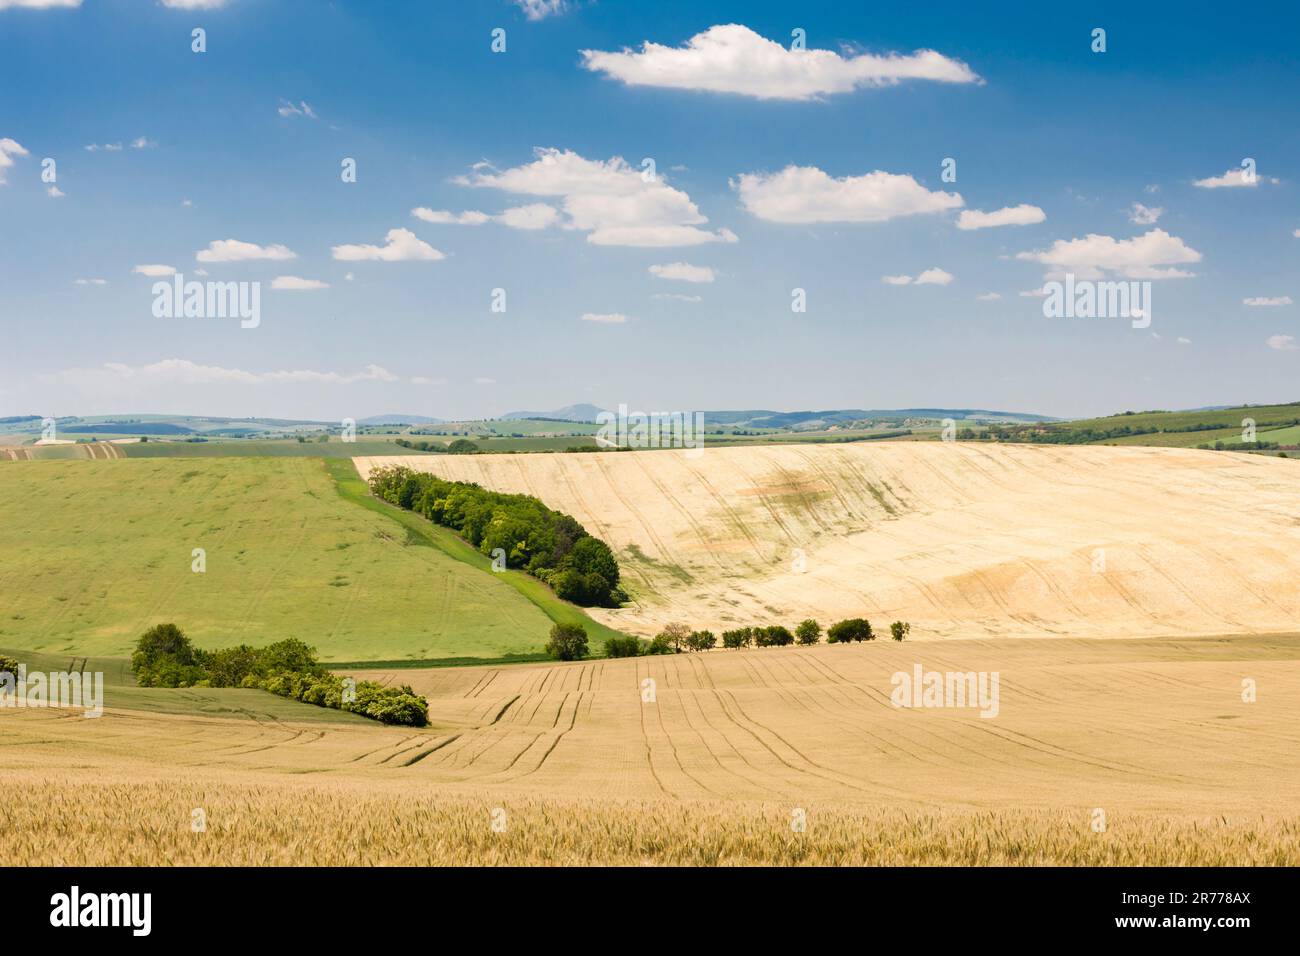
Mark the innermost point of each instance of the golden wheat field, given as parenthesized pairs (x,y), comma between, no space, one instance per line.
(710,758)
(961,540)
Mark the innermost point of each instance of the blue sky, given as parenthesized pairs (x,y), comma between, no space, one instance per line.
(819,174)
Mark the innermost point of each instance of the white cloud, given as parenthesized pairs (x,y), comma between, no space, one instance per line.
(143,142)
(425,380)
(233,250)
(1269,300)
(1283,343)
(184,372)
(200,272)
(1022,215)
(442,216)
(731,58)
(484,380)
(682,272)
(302,108)
(677,297)
(1183,341)
(537,215)
(615,204)
(38,4)
(8,149)
(187,203)
(1033,294)
(155,271)
(541,9)
(530,217)
(935,276)
(608,318)
(107,147)
(1149,256)
(1296,234)
(400,245)
(805,194)
(294,283)
(988,297)
(54,192)
(1145,215)
(91,281)
(194,4)
(1234,178)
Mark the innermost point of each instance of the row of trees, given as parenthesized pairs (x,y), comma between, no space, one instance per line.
(547,544)
(461,446)
(568,642)
(165,657)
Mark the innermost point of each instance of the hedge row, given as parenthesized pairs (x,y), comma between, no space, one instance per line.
(547,544)
(164,657)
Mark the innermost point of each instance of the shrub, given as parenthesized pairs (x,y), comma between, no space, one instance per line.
(851,629)
(8,666)
(701,641)
(628,646)
(568,642)
(677,636)
(159,642)
(662,644)
(900,630)
(808,632)
(740,637)
(774,636)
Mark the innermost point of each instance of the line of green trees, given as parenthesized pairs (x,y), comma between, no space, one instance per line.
(551,546)
(165,657)
(568,642)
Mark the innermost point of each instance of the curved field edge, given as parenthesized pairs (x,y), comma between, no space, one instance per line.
(352,488)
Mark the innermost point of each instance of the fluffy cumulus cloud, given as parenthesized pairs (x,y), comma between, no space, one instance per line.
(613,203)
(155,271)
(605,318)
(682,272)
(731,58)
(1260,300)
(1153,255)
(530,217)
(8,150)
(935,276)
(806,194)
(1283,343)
(184,372)
(233,250)
(400,245)
(296,284)
(1022,215)
(1235,178)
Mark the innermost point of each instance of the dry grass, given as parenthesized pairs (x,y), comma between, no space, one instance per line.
(963,540)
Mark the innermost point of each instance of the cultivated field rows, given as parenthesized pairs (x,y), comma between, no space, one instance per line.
(961,540)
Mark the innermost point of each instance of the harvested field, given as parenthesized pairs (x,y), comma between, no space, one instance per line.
(962,540)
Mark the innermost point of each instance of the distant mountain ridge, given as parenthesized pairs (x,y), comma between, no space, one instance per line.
(767,418)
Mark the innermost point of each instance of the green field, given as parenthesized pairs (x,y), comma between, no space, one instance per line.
(95,552)
(263,448)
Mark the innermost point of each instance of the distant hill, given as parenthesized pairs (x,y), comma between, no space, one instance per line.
(569,413)
(399,420)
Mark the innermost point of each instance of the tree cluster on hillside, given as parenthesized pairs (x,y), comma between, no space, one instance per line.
(677,638)
(547,544)
(165,657)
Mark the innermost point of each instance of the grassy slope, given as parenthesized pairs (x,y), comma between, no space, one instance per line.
(353,489)
(93,553)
